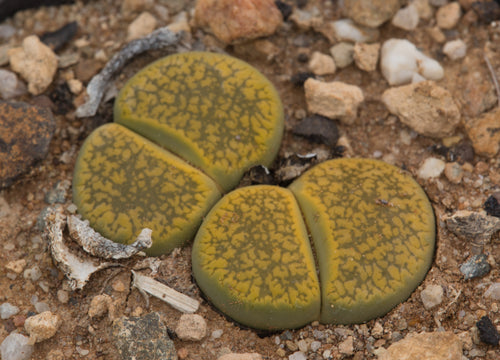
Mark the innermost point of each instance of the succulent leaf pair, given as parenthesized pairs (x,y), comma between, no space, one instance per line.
(210,117)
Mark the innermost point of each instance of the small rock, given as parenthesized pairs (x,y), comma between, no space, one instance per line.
(400,60)
(101,304)
(366,56)
(437,34)
(305,19)
(424,9)
(472,226)
(315,345)
(141,26)
(7,310)
(298,355)
(378,330)
(493,291)
(87,68)
(438,3)
(432,296)
(335,100)
(142,338)
(16,266)
(346,347)
(431,168)
(36,63)
(10,85)
(234,22)
(448,15)
(406,18)
(476,266)
(303,347)
(180,23)
(62,296)
(242,356)
(131,6)
(216,334)
(425,107)
(319,129)
(58,193)
(371,13)
(321,64)
(16,347)
(428,346)
(347,30)
(453,172)
(25,135)
(75,86)
(455,49)
(34,274)
(42,326)
(343,54)
(484,134)
(488,333)
(57,39)
(492,206)
(6,31)
(191,327)
(41,307)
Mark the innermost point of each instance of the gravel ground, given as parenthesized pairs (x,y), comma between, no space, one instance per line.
(466,175)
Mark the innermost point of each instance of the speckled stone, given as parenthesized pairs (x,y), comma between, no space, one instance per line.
(143,338)
(25,135)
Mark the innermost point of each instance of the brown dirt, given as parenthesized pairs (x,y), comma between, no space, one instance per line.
(104,25)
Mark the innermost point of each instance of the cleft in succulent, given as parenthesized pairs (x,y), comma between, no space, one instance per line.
(213,110)
(252,259)
(123,183)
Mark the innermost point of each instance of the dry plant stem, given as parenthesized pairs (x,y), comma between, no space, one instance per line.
(97,245)
(78,270)
(174,298)
(493,76)
(158,39)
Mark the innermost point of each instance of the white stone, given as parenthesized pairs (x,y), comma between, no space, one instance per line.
(400,60)
(10,85)
(406,18)
(141,26)
(36,63)
(191,327)
(335,100)
(343,54)
(431,168)
(216,334)
(298,355)
(378,330)
(454,172)
(347,30)
(42,326)
(424,9)
(7,310)
(180,23)
(16,347)
(432,296)
(455,49)
(321,64)
(493,291)
(304,19)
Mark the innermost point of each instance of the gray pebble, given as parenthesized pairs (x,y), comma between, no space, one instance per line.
(7,310)
(286,335)
(493,291)
(477,266)
(298,355)
(216,334)
(318,334)
(315,345)
(15,347)
(41,307)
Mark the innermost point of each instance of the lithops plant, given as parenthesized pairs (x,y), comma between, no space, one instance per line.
(252,258)
(186,128)
(212,111)
(373,232)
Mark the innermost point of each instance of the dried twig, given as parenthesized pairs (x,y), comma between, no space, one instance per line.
(493,76)
(174,298)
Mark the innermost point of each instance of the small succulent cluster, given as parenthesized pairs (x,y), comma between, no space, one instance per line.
(209,118)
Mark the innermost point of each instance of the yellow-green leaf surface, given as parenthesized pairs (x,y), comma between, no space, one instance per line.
(123,183)
(373,229)
(215,111)
(252,258)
